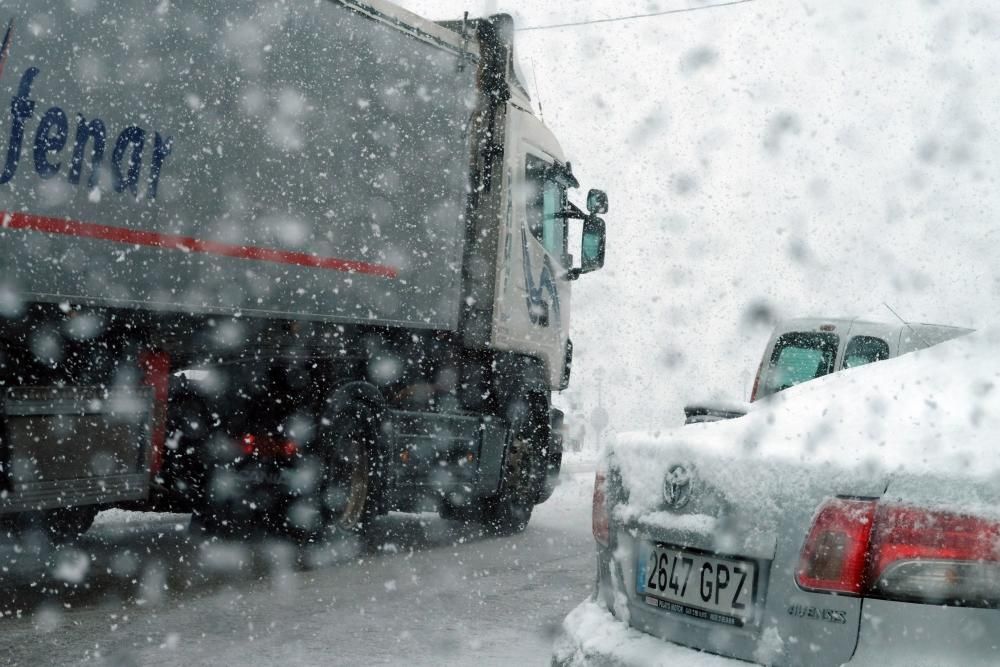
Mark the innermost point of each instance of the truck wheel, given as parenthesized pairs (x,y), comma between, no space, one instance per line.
(189,428)
(68,523)
(509,511)
(524,473)
(552,458)
(347,490)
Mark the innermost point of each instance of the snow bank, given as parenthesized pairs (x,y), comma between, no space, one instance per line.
(116,516)
(591,635)
(933,412)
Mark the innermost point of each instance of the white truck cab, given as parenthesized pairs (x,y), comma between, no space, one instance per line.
(359,236)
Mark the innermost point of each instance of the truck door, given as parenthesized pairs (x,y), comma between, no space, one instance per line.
(534,296)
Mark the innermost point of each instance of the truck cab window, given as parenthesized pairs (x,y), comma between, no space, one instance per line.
(545,199)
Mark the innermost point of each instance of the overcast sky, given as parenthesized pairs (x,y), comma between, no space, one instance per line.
(785,156)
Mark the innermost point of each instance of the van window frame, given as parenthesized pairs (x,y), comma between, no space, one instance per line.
(886,350)
(828,344)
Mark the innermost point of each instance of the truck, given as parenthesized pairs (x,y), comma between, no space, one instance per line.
(281,265)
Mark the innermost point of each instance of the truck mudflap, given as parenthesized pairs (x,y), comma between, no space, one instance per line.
(67,446)
(553,456)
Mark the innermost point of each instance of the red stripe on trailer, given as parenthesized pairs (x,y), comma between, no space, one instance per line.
(38,223)
(156,371)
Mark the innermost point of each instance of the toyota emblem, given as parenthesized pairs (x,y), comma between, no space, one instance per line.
(677,486)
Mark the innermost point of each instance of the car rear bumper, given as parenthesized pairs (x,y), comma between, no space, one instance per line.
(893,635)
(900,634)
(591,635)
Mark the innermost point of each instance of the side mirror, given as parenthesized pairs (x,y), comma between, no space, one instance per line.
(597,202)
(592,244)
(593,238)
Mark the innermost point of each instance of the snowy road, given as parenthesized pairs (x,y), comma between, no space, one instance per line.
(424,591)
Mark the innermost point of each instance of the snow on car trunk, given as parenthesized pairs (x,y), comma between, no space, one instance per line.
(723,509)
(707,544)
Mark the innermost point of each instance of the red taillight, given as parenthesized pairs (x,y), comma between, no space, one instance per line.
(833,556)
(267,447)
(910,533)
(249,445)
(899,552)
(600,521)
(934,556)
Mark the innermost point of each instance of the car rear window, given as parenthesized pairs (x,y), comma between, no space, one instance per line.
(863,350)
(800,356)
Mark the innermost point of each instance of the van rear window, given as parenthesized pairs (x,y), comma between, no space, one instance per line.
(800,356)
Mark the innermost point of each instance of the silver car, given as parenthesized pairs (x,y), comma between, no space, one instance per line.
(850,520)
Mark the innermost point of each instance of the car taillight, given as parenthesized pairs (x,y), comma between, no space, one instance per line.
(900,552)
(600,521)
(834,553)
(934,556)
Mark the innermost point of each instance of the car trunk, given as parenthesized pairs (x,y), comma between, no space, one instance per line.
(886,474)
(741,522)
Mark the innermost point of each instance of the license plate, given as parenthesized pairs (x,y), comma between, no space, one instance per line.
(715,588)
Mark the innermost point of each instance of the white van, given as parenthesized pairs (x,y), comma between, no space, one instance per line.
(806,348)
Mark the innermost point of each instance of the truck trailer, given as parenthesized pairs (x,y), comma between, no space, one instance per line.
(283,264)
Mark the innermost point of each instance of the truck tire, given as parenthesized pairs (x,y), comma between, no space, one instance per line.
(509,511)
(184,469)
(348,489)
(553,457)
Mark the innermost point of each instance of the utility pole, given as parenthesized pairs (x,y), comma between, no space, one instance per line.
(599,417)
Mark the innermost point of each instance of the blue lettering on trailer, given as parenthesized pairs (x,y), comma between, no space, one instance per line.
(85,131)
(52,135)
